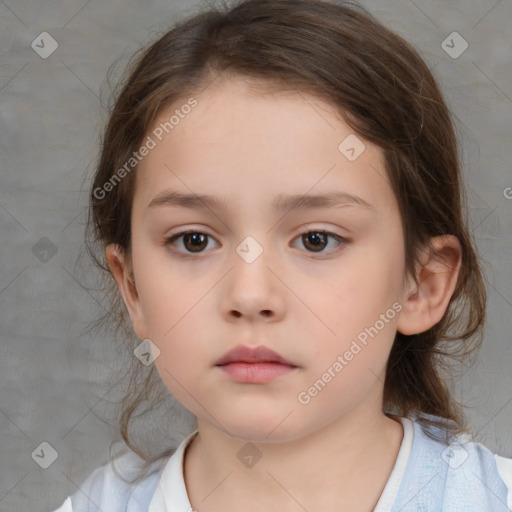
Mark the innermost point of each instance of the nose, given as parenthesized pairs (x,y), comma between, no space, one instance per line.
(253,290)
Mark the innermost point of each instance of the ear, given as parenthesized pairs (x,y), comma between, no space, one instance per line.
(120,266)
(426,302)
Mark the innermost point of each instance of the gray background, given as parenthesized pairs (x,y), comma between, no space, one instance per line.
(54,375)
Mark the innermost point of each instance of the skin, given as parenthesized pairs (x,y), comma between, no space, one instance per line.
(308,306)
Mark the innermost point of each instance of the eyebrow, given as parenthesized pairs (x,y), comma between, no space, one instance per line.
(282,202)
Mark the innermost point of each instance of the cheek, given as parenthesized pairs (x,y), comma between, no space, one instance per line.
(164,294)
(358,309)
(365,286)
(176,310)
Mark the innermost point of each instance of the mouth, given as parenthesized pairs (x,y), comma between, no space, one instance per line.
(244,354)
(255,366)
(255,373)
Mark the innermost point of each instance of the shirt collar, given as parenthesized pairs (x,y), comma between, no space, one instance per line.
(171,492)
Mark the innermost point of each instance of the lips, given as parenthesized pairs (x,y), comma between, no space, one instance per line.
(260,354)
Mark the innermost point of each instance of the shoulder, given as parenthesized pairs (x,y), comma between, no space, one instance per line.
(108,487)
(483,477)
(454,473)
(504,467)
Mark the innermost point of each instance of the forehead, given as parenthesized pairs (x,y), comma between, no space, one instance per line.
(258,143)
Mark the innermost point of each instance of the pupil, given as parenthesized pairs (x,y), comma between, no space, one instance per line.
(197,241)
(318,239)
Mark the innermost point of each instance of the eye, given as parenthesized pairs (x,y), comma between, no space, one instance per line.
(317,241)
(193,241)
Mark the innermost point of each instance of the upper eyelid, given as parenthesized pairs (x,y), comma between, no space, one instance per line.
(304,231)
(304,228)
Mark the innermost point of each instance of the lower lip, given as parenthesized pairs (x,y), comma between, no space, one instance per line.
(255,373)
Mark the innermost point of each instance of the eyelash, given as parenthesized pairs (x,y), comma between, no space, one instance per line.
(341,240)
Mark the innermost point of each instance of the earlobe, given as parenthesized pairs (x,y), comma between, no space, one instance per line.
(426,302)
(121,269)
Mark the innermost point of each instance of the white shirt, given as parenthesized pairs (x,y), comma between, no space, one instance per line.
(463,476)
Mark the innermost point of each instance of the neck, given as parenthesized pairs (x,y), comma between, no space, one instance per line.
(348,461)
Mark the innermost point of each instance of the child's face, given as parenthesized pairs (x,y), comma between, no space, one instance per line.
(310,307)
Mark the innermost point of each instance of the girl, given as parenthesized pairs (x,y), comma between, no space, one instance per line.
(278,199)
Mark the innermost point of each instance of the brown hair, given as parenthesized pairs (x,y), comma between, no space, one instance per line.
(384,91)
